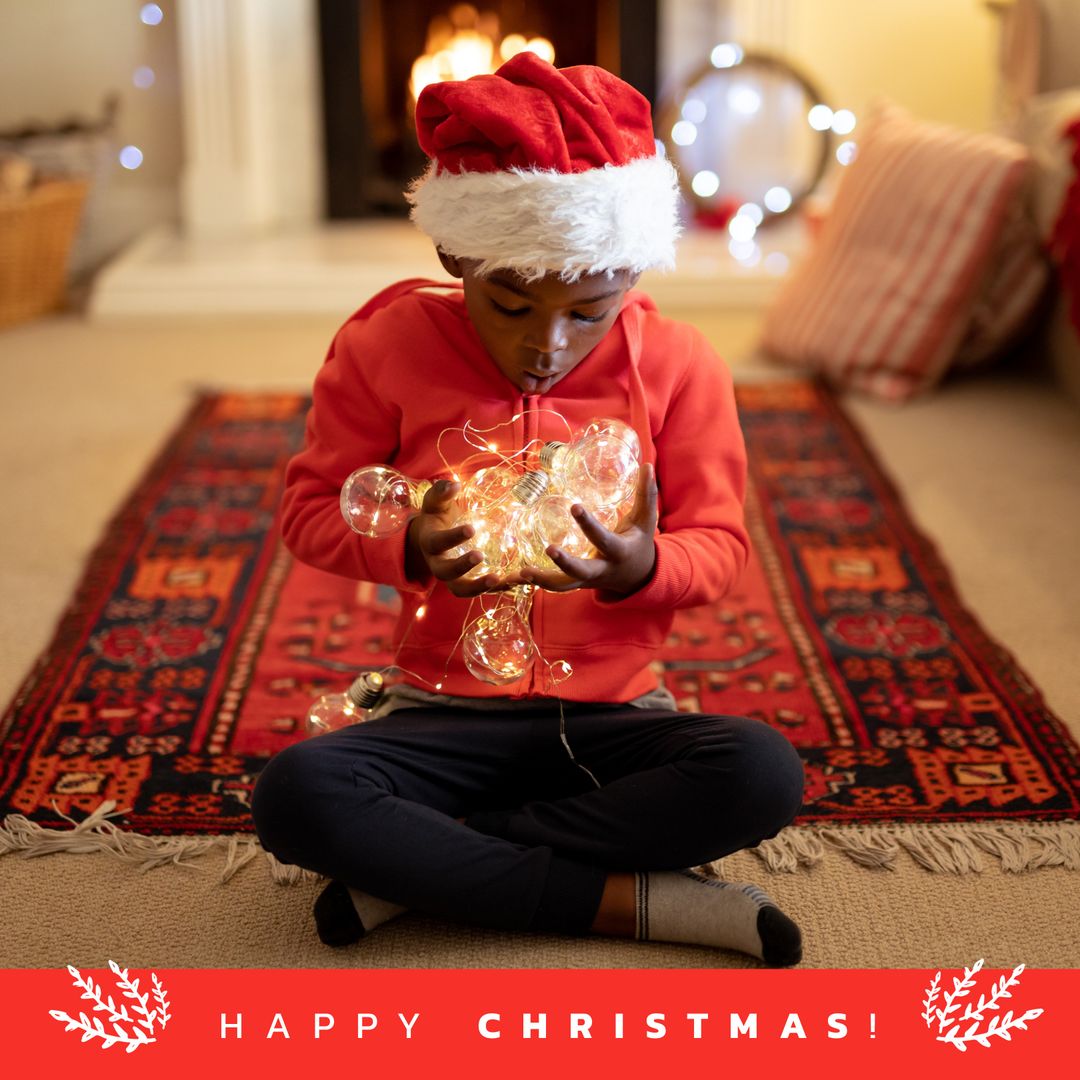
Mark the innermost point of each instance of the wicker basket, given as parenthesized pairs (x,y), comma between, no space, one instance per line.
(36,232)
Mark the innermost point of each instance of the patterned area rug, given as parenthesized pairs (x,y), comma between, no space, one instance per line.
(195,643)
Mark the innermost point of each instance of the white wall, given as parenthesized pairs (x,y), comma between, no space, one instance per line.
(60,58)
(935,57)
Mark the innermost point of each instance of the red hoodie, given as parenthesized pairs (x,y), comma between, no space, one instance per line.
(410,365)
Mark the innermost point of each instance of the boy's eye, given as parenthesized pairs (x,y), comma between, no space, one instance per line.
(515,312)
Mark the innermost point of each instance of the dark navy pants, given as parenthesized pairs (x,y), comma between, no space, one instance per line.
(375,805)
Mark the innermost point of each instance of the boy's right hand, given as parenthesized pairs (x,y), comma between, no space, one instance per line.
(430,536)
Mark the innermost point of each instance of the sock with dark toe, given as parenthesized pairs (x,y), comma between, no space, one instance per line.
(343,915)
(681,906)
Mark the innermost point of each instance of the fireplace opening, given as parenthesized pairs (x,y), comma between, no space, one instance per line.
(372,50)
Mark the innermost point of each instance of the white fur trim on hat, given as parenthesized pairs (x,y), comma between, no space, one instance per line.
(619,217)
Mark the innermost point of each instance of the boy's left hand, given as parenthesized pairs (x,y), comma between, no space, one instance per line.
(624,559)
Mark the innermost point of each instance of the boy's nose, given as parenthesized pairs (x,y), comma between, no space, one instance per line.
(548,337)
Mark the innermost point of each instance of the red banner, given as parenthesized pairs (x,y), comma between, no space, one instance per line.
(536,1023)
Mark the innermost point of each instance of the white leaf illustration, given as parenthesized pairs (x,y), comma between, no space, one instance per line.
(92,1027)
(999,1025)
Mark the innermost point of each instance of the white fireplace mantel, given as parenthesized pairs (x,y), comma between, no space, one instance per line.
(252,116)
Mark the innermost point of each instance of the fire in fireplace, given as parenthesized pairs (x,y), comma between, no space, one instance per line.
(465,43)
(376,54)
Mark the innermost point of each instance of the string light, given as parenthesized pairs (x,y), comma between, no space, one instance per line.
(742,227)
(777,199)
(515,516)
(497,526)
(753,212)
(726,55)
(846,152)
(745,252)
(843,122)
(143,77)
(776,262)
(683,133)
(744,100)
(694,110)
(705,183)
(820,117)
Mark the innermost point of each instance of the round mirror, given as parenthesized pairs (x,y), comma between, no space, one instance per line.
(743,129)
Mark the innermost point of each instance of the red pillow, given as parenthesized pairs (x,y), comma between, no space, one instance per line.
(885,297)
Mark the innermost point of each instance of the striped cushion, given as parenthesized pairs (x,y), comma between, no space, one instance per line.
(886,296)
(1018,277)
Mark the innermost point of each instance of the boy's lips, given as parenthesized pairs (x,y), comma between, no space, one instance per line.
(533,383)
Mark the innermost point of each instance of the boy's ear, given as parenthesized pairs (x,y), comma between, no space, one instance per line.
(633,280)
(451,264)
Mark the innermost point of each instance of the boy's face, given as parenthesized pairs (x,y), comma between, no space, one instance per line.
(538,332)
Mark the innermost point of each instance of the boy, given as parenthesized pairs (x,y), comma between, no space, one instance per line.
(569,808)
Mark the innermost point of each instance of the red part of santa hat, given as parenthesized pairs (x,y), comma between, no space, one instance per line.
(537,169)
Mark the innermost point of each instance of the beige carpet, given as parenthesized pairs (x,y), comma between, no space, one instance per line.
(990,467)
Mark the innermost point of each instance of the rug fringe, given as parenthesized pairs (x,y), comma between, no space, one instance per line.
(289,874)
(942,848)
(97,833)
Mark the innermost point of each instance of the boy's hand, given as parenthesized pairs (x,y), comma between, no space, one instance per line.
(624,560)
(430,536)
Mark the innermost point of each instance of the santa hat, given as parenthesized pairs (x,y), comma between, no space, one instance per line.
(537,169)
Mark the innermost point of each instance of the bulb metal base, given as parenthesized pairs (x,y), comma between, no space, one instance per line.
(530,487)
(548,453)
(366,689)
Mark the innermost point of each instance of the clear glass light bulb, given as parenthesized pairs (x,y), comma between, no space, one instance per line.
(619,429)
(486,487)
(378,501)
(498,645)
(551,523)
(497,526)
(598,469)
(332,712)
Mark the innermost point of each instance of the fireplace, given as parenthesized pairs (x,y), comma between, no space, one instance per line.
(367,52)
(253,237)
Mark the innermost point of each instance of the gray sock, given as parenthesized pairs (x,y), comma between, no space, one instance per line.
(678,905)
(373,911)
